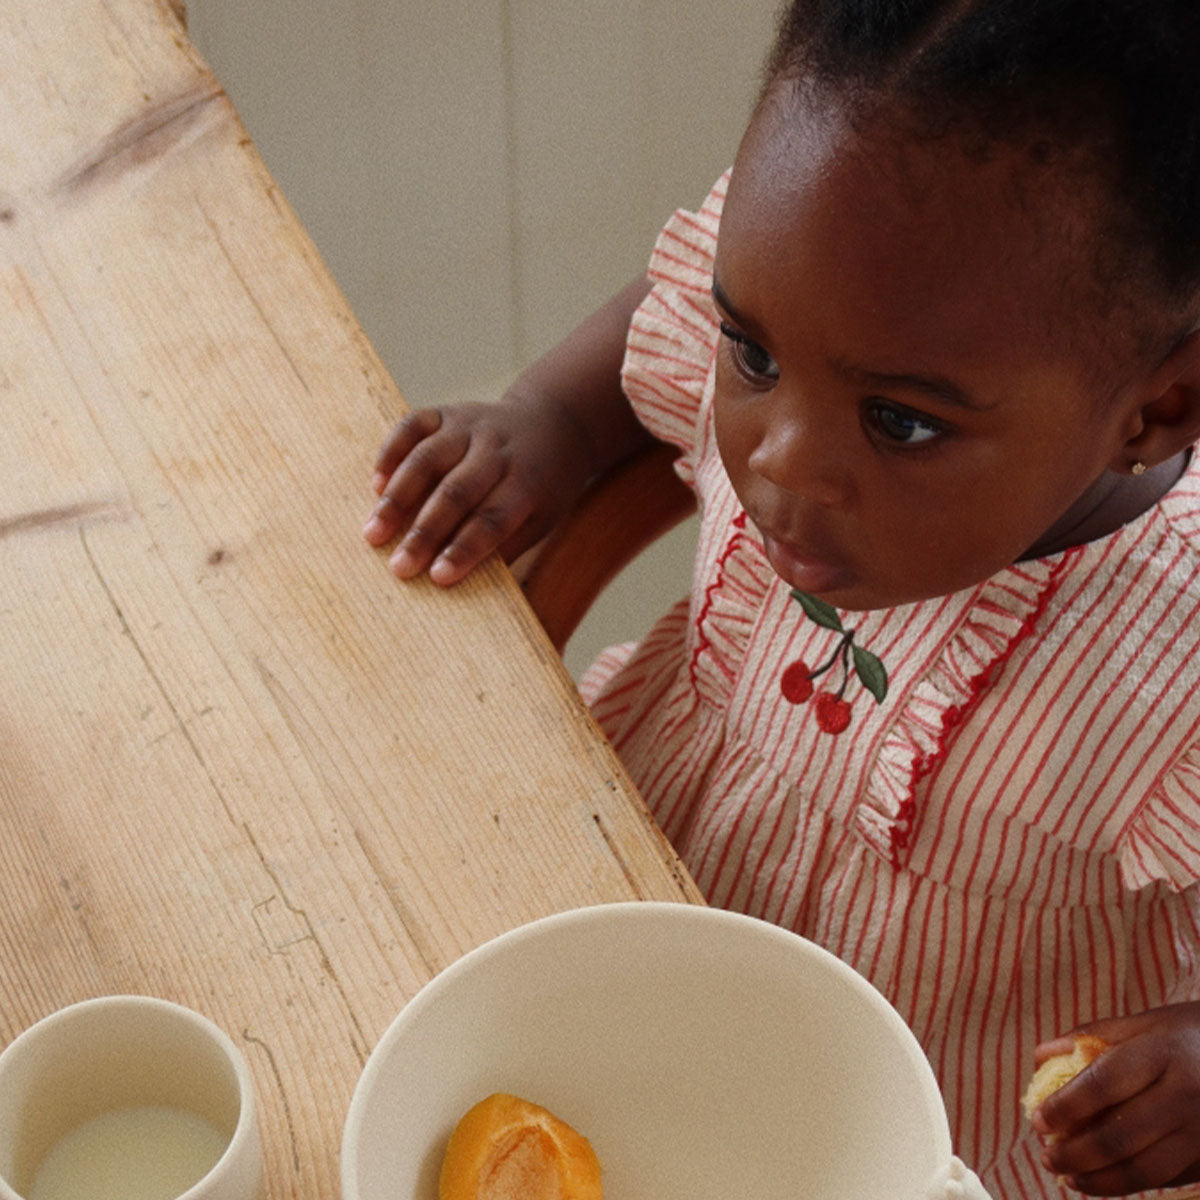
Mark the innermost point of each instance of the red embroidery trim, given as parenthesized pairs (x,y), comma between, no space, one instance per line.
(956,714)
(900,832)
(703,642)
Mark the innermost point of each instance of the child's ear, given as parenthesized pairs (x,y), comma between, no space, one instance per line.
(1168,418)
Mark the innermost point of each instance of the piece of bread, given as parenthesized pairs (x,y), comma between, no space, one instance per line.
(1060,1070)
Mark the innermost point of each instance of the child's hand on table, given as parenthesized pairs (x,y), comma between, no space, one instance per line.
(461,482)
(1131,1120)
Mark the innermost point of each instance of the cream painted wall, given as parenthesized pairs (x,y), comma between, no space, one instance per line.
(480,174)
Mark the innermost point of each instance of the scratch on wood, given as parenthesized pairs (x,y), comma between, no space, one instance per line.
(78,908)
(277,938)
(146,136)
(323,957)
(430,958)
(64,514)
(263,316)
(160,687)
(283,1097)
(630,878)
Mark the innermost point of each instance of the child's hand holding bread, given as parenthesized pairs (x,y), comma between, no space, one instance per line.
(1056,1070)
(1117,1103)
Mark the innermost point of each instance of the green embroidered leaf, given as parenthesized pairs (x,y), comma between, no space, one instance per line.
(818,610)
(872,673)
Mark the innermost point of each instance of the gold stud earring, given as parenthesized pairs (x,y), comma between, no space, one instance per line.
(1138,468)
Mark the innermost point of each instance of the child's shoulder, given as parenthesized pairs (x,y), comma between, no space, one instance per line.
(1179,510)
(1139,586)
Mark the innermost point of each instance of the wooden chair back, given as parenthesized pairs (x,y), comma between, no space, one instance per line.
(619,515)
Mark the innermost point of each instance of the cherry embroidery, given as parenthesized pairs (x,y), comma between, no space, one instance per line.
(797,681)
(833,714)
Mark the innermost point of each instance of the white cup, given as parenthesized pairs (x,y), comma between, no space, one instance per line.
(127,1077)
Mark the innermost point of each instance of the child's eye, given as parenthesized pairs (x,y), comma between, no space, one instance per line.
(754,363)
(902,425)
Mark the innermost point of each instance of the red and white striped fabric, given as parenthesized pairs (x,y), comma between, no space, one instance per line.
(1008,845)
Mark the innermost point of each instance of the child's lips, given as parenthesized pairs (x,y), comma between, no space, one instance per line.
(802,568)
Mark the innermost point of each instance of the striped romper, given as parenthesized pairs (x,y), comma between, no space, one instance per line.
(1009,844)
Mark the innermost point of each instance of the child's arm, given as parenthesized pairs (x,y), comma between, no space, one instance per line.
(462,482)
(1131,1120)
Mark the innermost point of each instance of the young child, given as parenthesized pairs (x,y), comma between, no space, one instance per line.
(932,702)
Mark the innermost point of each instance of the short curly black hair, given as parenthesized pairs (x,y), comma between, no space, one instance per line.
(1116,76)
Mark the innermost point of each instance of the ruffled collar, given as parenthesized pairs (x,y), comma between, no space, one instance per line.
(986,625)
(979,630)
(995,618)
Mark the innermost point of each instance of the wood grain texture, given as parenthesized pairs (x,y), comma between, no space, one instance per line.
(241,766)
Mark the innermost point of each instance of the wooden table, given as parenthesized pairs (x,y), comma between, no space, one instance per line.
(241,766)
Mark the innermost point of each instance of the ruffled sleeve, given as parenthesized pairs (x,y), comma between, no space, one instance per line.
(674,333)
(1162,843)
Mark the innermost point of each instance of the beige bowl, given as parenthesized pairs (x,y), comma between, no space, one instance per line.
(705,1055)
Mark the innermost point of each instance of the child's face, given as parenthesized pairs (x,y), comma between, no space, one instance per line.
(908,397)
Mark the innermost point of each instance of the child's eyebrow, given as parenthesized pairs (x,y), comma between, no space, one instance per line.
(936,387)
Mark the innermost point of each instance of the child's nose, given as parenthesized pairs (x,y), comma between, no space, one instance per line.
(802,457)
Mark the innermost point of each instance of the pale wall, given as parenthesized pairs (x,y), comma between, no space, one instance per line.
(480,174)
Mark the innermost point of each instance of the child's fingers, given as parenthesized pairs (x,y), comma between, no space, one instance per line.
(408,433)
(1169,1161)
(1118,1135)
(432,465)
(1131,1120)
(1116,1077)
(489,528)
(440,520)
(523,538)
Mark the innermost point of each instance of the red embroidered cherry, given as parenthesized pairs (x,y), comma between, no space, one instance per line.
(796,682)
(833,713)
